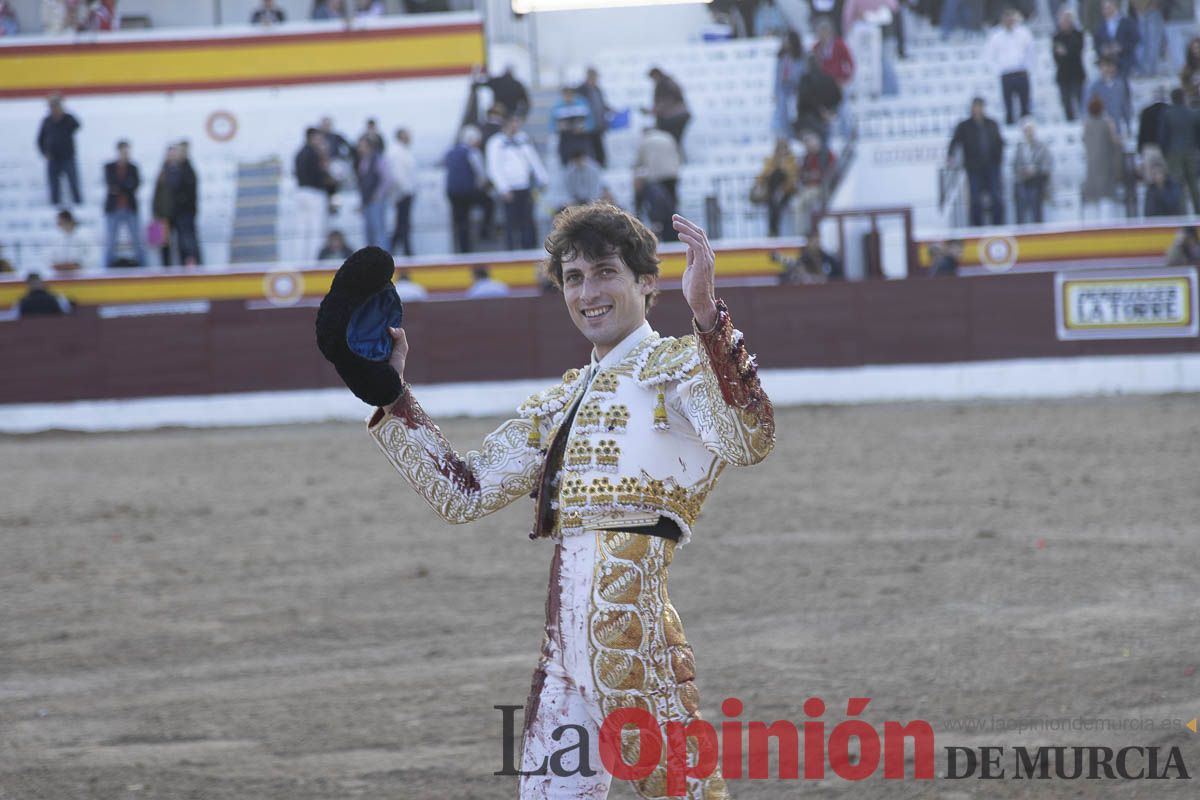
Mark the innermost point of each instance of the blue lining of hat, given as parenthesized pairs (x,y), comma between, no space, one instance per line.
(367,331)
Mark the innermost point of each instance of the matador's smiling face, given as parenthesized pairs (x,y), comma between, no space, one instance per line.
(606,300)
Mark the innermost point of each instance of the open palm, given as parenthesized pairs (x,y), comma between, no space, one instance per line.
(699,276)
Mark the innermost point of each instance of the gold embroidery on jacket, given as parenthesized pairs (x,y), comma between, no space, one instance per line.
(504,465)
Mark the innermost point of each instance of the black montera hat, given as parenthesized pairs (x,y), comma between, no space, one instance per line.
(353,322)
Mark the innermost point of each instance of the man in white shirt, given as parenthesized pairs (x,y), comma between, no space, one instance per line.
(515,170)
(1010,52)
(407,290)
(485,286)
(69,253)
(658,162)
(404,174)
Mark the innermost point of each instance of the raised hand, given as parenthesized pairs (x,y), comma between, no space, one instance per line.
(700,276)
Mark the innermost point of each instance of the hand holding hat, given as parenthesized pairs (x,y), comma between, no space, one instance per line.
(354,327)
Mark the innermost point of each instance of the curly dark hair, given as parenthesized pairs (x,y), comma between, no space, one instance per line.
(596,230)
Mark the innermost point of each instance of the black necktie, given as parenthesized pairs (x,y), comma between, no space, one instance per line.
(554,460)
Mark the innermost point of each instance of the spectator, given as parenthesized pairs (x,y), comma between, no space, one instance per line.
(335,248)
(1190,76)
(769,20)
(776,184)
(1033,164)
(56,142)
(670,109)
(9,24)
(121,206)
(40,301)
(515,170)
(493,121)
(1068,62)
(407,290)
(375,186)
(833,57)
(819,261)
(369,8)
(466,187)
(1150,123)
(373,137)
(338,158)
(404,174)
(312,192)
(1089,16)
(60,16)
(815,264)
(1009,51)
(817,99)
(101,15)
(789,67)
(658,162)
(1116,37)
(830,9)
(962,15)
(884,15)
(978,138)
(327,9)
(484,286)
(655,206)
(268,15)
(186,223)
(583,181)
(6,266)
(879,13)
(946,258)
(817,168)
(571,119)
(1113,93)
(1152,34)
(591,92)
(1103,159)
(175,205)
(337,146)
(1164,198)
(1185,249)
(1180,137)
(507,91)
(69,253)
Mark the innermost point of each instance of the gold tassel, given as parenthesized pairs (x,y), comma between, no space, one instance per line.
(660,412)
(535,434)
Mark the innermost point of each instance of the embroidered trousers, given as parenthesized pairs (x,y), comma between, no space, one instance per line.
(613,640)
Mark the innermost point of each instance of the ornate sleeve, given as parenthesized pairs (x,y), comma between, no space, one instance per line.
(458,488)
(724,399)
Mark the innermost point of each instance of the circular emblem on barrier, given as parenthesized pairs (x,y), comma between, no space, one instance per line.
(998,253)
(221,126)
(283,288)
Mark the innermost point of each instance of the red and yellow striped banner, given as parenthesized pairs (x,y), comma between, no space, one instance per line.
(156,65)
(520,273)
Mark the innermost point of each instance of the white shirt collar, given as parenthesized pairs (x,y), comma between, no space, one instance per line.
(623,348)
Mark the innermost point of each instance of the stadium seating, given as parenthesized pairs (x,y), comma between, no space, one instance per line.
(937,82)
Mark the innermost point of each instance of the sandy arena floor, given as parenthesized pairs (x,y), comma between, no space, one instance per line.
(272,614)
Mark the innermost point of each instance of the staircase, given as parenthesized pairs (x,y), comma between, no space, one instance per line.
(256,212)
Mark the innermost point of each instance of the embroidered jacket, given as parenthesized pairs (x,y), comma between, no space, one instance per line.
(658,419)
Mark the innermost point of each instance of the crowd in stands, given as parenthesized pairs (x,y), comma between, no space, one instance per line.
(494,173)
(327,163)
(173,214)
(1123,46)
